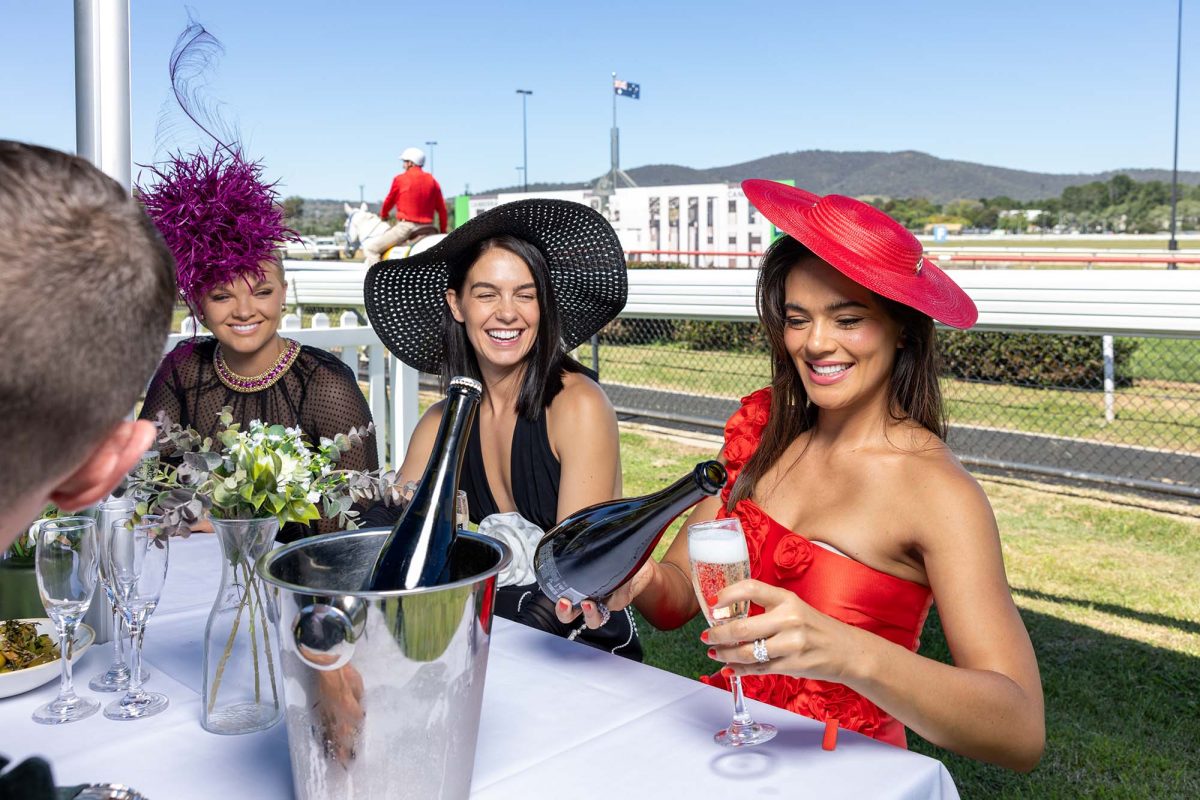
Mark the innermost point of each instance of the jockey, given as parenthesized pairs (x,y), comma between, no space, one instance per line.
(416,196)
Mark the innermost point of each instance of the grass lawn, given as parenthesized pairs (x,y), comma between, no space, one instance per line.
(1162,408)
(1111,600)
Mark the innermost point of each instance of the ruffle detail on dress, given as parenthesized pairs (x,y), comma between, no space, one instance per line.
(755,525)
(819,700)
(742,432)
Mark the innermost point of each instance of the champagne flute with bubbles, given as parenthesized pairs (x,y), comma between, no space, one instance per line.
(67,572)
(717,551)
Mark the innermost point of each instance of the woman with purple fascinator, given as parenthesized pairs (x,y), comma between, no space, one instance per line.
(223,223)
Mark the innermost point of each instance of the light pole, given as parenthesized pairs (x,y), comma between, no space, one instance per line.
(525,137)
(431,145)
(1172,244)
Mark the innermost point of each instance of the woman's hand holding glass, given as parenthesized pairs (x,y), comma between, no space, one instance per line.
(67,571)
(718,556)
(137,557)
(790,637)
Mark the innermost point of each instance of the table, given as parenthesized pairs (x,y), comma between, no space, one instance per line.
(559,720)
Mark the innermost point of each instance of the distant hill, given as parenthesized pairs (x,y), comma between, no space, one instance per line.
(904,174)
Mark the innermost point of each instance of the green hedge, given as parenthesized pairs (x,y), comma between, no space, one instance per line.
(657,265)
(1031,359)
(1020,359)
(703,334)
(638,331)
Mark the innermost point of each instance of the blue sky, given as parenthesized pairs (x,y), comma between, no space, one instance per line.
(328,94)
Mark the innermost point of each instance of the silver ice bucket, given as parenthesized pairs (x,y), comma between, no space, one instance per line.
(383,689)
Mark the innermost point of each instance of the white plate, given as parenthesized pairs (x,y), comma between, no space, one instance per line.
(32,677)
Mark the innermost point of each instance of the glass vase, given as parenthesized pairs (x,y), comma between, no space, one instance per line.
(242,681)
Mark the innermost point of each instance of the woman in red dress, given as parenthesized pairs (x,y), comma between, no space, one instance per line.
(856,514)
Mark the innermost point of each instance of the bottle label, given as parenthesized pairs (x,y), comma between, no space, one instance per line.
(551,580)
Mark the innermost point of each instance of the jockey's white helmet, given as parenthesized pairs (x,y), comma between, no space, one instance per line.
(413,154)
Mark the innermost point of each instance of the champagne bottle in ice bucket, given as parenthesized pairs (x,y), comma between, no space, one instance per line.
(593,551)
(417,552)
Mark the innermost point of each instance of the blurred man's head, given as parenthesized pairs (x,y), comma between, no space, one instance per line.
(413,155)
(87,288)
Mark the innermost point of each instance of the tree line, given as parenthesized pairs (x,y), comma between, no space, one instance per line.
(313,217)
(1118,205)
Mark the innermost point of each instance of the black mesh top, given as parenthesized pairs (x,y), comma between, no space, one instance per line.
(535,471)
(319,394)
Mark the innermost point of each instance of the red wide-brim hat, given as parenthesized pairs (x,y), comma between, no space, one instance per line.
(867,246)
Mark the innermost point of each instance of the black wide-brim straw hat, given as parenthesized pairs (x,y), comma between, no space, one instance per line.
(406,297)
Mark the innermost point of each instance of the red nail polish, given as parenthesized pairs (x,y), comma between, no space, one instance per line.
(704,636)
(712,652)
(727,672)
(711,599)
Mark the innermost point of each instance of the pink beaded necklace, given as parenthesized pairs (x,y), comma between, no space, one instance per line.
(270,377)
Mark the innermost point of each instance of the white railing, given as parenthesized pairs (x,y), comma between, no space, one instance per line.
(1113,302)
(1104,303)
(394,420)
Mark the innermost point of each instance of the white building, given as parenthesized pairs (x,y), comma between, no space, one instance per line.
(704,224)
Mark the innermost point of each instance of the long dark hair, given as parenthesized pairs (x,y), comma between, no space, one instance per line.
(546,362)
(913,389)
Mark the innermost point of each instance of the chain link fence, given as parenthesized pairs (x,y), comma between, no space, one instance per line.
(1035,402)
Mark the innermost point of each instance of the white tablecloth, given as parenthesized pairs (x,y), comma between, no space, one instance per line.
(559,720)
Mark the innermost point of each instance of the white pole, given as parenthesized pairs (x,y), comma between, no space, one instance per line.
(377,399)
(404,408)
(1109,378)
(102,120)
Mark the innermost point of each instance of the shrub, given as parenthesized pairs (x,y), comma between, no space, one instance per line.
(638,331)
(1032,359)
(657,265)
(704,334)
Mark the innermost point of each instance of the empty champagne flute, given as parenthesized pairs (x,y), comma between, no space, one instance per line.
(137,556)
(67,572)
(717,551)
(462,510)
(108,513)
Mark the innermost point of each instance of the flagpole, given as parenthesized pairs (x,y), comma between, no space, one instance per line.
(616,141)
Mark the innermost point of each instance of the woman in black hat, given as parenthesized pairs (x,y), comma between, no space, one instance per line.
(504,299)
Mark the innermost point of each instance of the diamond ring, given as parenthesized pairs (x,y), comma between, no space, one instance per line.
(760,651)
(605,614)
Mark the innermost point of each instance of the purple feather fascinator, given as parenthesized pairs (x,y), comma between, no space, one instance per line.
(217,214)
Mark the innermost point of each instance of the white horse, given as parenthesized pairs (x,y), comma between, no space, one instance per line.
(363,225)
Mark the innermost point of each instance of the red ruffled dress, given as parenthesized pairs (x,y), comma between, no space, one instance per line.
(833,584)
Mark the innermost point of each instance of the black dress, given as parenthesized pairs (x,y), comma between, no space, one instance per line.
(318,393)
(536,496)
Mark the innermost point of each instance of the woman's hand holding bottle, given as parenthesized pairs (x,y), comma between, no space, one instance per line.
(593,614)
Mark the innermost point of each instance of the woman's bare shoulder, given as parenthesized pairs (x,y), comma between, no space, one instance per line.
(581,395)
(433,414)
(939,497)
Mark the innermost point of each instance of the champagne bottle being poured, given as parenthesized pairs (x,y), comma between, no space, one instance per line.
(417,551)
(597,549)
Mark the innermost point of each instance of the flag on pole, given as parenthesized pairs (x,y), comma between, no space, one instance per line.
(627,89)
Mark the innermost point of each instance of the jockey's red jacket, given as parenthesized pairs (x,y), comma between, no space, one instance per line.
(416,196)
